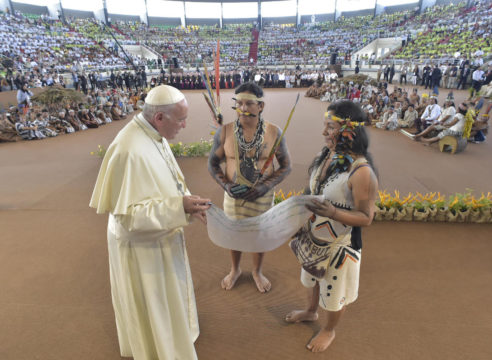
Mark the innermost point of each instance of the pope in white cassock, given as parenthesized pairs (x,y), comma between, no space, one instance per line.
(142,187)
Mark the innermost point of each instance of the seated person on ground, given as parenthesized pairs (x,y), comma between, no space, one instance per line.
(409,118)
(453,128)
(446,117)
(389,121)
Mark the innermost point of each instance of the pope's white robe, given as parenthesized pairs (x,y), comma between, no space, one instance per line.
(151,284)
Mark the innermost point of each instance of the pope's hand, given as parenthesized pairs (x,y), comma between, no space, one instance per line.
(193,204)
(200,215)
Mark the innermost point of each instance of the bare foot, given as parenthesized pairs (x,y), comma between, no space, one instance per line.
(230,280)
(301,315)
(321,341)
(262,283)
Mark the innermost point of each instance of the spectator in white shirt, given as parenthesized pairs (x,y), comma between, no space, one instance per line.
(477,78)
(430,115)
(446,117)
(454,128)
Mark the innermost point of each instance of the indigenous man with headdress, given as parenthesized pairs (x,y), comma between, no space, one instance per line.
(142,187)
(329,245)
(245,145)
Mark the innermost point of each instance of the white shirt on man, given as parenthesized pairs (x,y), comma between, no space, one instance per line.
(431,113)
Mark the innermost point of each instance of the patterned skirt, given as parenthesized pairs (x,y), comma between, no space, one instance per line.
(234,209)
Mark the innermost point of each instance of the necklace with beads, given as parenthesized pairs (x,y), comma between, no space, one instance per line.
(248,165)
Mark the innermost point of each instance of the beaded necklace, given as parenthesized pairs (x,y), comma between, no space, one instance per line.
(339,163)
(248,165)
(257,139)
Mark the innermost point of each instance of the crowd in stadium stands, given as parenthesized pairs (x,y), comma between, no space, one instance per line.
(266,78)
(453,75)
(41,48)
(314,43)
(193,44)
(446,32)
(34,43)
(37,50)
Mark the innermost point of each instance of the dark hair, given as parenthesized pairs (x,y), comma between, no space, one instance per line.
(347,109)
(250,87)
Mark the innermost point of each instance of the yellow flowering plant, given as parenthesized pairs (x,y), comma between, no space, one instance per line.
(484,202)
(194,149)
(101,151)
(439,202)
(385,201)
(459,202)
(280,196)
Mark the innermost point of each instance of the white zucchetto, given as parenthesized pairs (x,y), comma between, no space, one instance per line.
(164,95)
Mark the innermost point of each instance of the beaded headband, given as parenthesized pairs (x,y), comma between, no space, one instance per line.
(246,96)
(347,128)
(344,122)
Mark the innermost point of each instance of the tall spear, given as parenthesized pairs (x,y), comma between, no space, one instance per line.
(217,73)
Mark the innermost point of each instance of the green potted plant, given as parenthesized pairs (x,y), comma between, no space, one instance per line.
(404,209)
(480,211)
(458,208)
(439,204)
(421,208)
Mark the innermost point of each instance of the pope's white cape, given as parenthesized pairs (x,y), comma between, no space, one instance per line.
(261,233)
(151,286)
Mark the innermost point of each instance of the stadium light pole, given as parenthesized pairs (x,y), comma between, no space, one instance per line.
(146,13)
(11,7)
(105,10)
(62,13)
(260,18)
(297,13)
(221,15)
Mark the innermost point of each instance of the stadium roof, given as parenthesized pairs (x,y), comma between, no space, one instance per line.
(225,1)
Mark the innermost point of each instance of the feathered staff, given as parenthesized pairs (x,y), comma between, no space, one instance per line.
(208,85)
(210,100)
(275,146)
(213,103)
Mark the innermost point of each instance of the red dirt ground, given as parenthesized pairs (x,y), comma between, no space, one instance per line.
(424,292)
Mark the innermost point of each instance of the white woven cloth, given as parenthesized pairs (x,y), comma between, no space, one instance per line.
(261,233)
